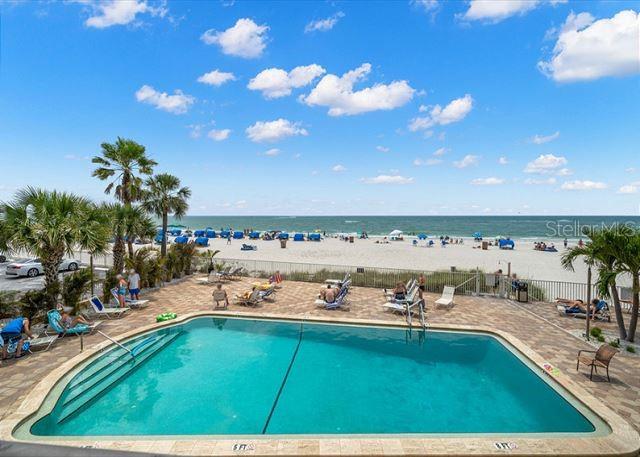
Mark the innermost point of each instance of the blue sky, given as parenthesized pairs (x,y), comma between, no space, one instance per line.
(332,107)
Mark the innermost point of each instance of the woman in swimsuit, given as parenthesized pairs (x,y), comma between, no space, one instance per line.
(122,290)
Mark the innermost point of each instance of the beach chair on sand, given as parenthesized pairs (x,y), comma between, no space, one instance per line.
(447,297)
(253,299)
(110,313)
(337,282)
(56,327)
(601,359)
(136,304)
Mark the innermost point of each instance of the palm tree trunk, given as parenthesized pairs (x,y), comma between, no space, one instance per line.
(622,331)
(165,222)
(50,264)
(588,302)
(633,322)
(129,246)
(118,255)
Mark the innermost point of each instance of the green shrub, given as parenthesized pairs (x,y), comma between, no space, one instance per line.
(9,303)
(631,349)
(600,338)
(35,303)
(614,344)
(74,286)
(110,281)
(596,332)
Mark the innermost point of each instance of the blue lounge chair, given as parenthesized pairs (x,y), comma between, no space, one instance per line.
(202,241)
(237,235)
(100,310)
(298,237)
(601,311)
(314,237)
(254,235)
(137,304)
(56,326)
(181,240)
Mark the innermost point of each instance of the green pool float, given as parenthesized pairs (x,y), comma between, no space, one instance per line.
(165,317)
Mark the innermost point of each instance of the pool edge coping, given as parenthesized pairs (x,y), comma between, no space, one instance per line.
(622,441)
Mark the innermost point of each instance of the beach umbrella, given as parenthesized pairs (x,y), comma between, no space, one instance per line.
(422,236)
(395,233)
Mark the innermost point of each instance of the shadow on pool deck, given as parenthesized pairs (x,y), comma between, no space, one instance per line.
(549,337)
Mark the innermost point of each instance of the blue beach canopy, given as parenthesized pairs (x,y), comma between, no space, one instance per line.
(181,240)
(477,235)
(199,233)
(254,235)
(506,244)
(238,235)
(202,241)
(210,233)
(314,237)
(422,236)
(298,237)
(283,236)
(175,232)
(225,234)
(158,238)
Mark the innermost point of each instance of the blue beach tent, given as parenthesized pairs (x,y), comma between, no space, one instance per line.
(283,236)
(225,234)
(199,233)
(158,238)
(175,232)
(314,237)
(477,236)
(254,235)
(506,244)
(209,233)
(181,240)
(238,235)
(422,236)
(202,241)
(298,237)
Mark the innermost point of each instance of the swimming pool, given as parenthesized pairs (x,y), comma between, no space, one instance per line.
(238,376)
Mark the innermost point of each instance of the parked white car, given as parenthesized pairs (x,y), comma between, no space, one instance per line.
(33,267)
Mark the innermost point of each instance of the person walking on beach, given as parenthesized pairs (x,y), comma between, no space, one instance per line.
(229,238)
(566,243)
(134,284)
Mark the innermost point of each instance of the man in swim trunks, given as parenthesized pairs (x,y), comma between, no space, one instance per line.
(12,331)
(134,284)
(330,295)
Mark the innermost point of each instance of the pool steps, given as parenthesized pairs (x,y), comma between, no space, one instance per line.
(106,372)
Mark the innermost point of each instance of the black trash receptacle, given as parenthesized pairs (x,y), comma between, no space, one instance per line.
(522,292)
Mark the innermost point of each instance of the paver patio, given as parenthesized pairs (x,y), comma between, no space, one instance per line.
(537,325)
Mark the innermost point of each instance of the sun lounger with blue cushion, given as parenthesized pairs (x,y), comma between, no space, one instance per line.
(128,301)
(56,326)
(101,310)
(601,311)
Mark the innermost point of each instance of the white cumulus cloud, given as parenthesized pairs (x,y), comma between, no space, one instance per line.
(466,161)
(245,39)
(497,10)
(487,181)
(588,49)
(178,103)
(216,78)
(322,25)
(631,188)
(540,182)
(272,131)
(272,152)
(337,93)
(382,148)
(440,152)
(583,185)
(503,161)
(455,111)
(388,179)
(219,135)
(120,12)
(338,168)
(545,164)
(426,162)
(275,83)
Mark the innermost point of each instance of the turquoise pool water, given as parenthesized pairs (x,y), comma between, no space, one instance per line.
(213,376)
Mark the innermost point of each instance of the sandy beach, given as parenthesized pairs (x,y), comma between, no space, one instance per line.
(525,261)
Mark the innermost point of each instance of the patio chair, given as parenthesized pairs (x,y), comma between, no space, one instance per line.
(220,296)
(338,282)
(253,299)
(601,359)
(269,294)
(447,297)
(389,294)
(110,313)
(401,306)
(601,311)
(56,327)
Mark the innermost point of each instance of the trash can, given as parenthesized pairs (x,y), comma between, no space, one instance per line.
(283,243)
(351,239)
(485,245)
(522,292)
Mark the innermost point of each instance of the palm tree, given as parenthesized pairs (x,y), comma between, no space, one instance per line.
(163,196)
(629,263)
(50,224)
(123,163)
(127,222)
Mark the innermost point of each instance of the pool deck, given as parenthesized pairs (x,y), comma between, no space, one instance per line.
(535,325)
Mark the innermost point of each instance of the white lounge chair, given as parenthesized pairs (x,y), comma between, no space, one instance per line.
(400,306)
(447,296)
(389,294)
(110,313)
(138,304)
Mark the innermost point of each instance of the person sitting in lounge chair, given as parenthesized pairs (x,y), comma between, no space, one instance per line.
(329,295)
(400,291)
(69,321)
(12,332)
(276,279)
(220,295)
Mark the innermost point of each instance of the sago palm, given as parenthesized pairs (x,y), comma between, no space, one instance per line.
(50,225)
(163,196)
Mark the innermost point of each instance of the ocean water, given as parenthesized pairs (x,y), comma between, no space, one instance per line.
(518,227)
(238,376)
